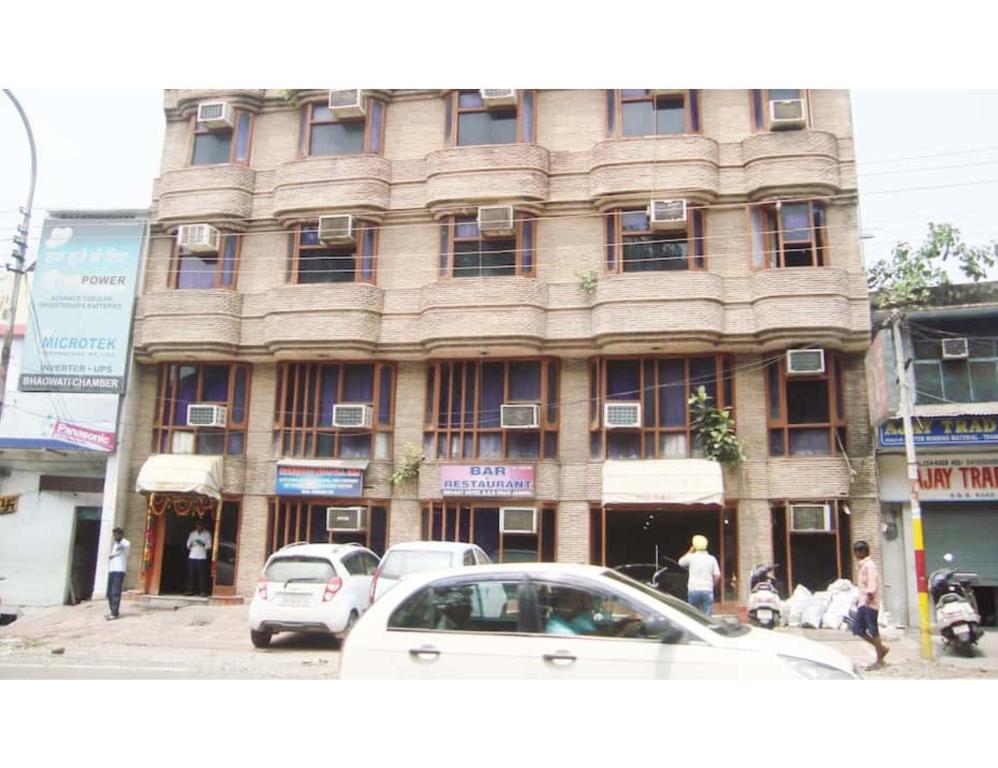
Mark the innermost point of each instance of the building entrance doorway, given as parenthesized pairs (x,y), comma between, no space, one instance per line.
(86,537)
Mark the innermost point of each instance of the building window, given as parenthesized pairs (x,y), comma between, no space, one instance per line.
(465,252)
(661,387)
(324,135)
(464,413)
(470,122)
(296,521)
(638,112)
(181,385)
(304,410)
(760,104)
(480,525)
(806,413)
(788,235)
(812,555)
(229,145)
(206,270)
(973,379)
(632,245)
(312,261)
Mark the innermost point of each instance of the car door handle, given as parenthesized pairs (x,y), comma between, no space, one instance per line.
(424,653)
(559,658)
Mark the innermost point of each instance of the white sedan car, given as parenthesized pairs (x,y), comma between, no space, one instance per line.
(563,621)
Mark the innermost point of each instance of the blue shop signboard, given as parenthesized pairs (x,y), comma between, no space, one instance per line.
(958,430)
(319,481)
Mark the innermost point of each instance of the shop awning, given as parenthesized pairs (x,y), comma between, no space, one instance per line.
(173,473)
(672,481)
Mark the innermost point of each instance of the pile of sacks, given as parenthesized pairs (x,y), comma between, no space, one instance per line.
(828,609)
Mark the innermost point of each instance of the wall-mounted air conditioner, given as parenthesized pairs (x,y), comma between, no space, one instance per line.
(786,114)
(955,349)
(496,220)
(337,229)
(517,519)
(347,103)
(215,115)
(811,517)
(198,238)
(498,97)
(520,416)
(621,415)
(667,214)
(805,362)
(345,519)
(206,415)
(353,416)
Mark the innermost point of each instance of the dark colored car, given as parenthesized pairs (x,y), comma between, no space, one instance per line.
(669,577)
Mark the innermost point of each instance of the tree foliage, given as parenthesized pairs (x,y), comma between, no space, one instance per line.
(714,429)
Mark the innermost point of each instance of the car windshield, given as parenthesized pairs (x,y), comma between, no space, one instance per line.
(299,568)
(402,562)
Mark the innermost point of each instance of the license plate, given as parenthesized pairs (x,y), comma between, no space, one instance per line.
(963,632)
(294,598)
(764,614)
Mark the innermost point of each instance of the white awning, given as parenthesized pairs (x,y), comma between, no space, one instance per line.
(942,410)
(181,473)
(325,463)
(672,481)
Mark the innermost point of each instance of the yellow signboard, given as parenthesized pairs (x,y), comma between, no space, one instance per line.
(8,504)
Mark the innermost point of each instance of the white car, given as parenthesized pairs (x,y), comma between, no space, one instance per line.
(564,621)
(416,556)
(311,588)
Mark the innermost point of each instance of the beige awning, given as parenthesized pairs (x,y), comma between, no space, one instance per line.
(672,481)
(175,473)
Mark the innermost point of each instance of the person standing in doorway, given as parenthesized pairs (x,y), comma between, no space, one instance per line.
(198,544)
(866,625)
(117,566)
(705,575)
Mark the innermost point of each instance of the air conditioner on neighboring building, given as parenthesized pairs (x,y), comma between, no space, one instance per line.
(198,238)
(786,114)
(811,517)
(520,416)
(215,115)
(496,220)
(353,415)
(803,362)
(206,415)
(517,520)
(345,518)
(955,349)
(182,443)
(621,415)
(336,229)
(665,214)
(498,97)
(347,103)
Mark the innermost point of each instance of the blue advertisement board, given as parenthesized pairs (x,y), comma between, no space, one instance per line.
(319,481)
(81,314)
(943,431)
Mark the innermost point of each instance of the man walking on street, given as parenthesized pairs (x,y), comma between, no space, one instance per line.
(867,615)
(198,544)
(116,569)
(705,575)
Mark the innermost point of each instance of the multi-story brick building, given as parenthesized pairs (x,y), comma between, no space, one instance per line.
(428,324)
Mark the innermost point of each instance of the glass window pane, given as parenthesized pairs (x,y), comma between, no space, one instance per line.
(773,374)
(385,396)
(467,259)
(309,236)
(470,100)
(466,227)
(703,372)
(448,126)
(493,127)
(211,443)
(216,383)
(212,148)
(355,446)
(527,255)
(196,270)
(928,350)
(780,94)
(694,97)
(523,444)
(358,383)
(623,445)
(637,118)
(611,112)
(527,101)
(673,445)
(498,258)
(956,381)
(776,447)
(229,261)
(809,442)
(323,266)
(634,221)
(623,380)
(377,111)
(672,393)
(243,137)
(239,396)
(367,257)
(611,243)
(628,93)
(660,252)
(758,239)
(342,138)
(490,445)
(525,381)
(670,115)
(757,112)
(984,380)
(795,222)
(807,402)
(329,387)
(491,395)
(321,112)
(237,442)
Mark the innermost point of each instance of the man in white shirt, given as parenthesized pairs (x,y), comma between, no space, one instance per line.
(117,566)
(705,575)
(198,544)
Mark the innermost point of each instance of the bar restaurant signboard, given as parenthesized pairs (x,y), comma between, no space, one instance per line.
(487,480)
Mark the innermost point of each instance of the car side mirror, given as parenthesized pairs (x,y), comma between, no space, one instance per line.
(664,630)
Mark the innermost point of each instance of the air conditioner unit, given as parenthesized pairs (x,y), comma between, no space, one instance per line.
(496,220)
(517,520)
(345,519)
(215,115)
(182,443)
(337,229)
(655,92)
(621,415)
(786,114)
(347,103)
(664,214)
(498,97)
(803,362)
(811,517)
(205,415)
(520,416)
(198,238)
(353,415)
(955,349)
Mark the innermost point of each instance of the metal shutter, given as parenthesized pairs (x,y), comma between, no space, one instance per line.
(969,532)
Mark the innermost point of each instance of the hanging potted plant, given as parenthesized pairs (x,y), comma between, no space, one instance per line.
(714,430)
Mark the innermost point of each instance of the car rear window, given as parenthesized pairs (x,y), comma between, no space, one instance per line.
(299,568)
(405,561)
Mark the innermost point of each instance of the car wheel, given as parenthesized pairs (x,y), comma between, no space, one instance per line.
(351,622)
(260,639)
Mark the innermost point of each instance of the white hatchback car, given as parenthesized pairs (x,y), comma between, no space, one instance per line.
(311,588)
(563,621)
(416,556)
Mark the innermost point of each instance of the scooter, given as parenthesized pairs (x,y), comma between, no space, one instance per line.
(957,616)
(765,606)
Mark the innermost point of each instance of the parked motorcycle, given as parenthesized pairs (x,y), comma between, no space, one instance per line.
(765,606)
(957,616)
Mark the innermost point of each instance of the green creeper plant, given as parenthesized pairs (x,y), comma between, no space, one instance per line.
(714,430)
(588,281)
(408,470)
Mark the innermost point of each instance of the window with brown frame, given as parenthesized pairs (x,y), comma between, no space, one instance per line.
(304,403)
(638,112)
(760,104)
(662,387)
(632,245)
(805,413)
(470,122)
(290,521)
(465,252)
(479,524)
(789,234)
(322,134)
(312,261)
(183,384)
(206,270)
(464,409)
(814,558)
(229,145)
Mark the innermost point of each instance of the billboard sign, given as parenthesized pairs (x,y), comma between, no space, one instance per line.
(958,430)
(495,480)
(319,481)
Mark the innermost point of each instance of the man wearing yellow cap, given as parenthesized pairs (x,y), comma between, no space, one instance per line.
(705,575)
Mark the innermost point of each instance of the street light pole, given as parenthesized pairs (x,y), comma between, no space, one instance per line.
(20,248)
